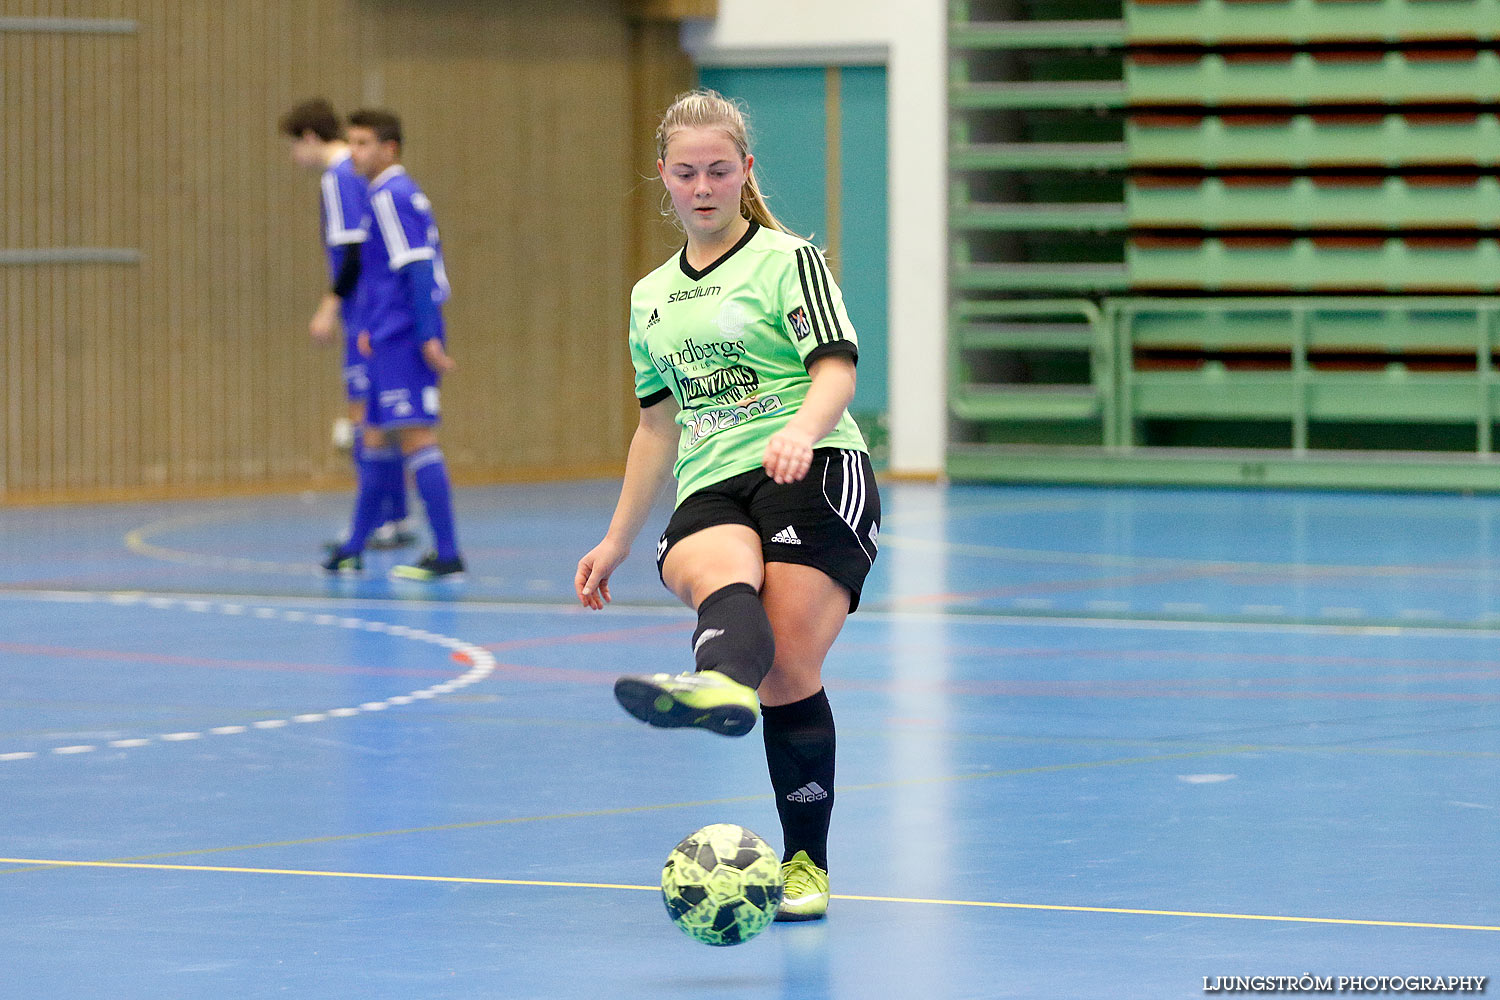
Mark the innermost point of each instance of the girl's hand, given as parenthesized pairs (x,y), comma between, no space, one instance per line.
(788,455)
(591,582)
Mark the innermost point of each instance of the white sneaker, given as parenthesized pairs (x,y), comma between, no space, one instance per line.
(391,535)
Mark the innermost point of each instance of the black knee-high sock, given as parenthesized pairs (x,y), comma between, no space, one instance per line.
(734,635)
(799,751)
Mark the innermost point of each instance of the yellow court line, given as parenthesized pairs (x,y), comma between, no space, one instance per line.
(40,863)
(1178,913)
(1126,911)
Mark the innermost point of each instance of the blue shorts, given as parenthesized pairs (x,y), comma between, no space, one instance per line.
(403,389)
(357,380)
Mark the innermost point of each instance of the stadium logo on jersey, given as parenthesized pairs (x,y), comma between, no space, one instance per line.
(736,383)
(655,319)
(800,324)
(693,293)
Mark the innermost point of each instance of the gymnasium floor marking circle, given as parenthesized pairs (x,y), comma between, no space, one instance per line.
(137,541)
(481,665)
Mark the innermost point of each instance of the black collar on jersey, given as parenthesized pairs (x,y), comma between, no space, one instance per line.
(687,268)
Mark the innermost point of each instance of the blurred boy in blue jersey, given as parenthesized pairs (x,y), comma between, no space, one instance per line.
(317,143)
(402,287)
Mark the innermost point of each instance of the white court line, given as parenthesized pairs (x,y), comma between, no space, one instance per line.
(481,664)
(137,540)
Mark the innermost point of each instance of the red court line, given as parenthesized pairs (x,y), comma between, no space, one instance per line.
(610,635)
(1226,574)
(1058,586)
(1184,688)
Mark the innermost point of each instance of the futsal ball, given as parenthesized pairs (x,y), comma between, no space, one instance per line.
(722,885)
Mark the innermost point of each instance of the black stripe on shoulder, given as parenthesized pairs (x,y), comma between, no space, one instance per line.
(826,280)
(820,331)
(845,347)
(822,300)
(654,398)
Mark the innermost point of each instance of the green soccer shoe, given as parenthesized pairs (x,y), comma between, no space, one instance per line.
(430,569)
(806,893)
(703,700)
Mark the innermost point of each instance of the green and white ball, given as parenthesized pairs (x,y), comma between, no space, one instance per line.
(722,885)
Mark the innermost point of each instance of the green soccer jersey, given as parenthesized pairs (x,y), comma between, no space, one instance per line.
(732,344)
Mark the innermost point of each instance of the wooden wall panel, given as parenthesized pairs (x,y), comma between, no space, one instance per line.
(190,369)
(516,120)
(65,147)
(660,72)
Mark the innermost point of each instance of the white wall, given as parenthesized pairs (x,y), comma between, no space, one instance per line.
(909,37)
(792,32)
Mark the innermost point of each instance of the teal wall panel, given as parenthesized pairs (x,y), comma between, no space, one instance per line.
(789,125)
(864,221)
(788,110)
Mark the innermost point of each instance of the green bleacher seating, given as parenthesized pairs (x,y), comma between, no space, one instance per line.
(1317,201)
(1389,139)
(1216,22)
(1312,182)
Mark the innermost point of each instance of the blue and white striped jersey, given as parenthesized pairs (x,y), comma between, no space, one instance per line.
(402,231)
(344,206)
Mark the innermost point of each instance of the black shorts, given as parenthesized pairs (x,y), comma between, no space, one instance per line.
(830,520)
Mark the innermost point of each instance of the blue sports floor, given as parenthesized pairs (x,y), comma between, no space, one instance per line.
(1093,743)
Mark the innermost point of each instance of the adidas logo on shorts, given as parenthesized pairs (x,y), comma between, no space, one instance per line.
(787,536)
(810,792)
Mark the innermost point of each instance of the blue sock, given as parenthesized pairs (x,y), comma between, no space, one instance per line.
(396,507)
(368,503)
(390,473)
(360,456)
(427,468)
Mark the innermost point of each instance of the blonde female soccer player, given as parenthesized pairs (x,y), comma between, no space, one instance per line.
(744,367)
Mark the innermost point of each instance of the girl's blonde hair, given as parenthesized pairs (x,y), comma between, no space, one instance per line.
(704,108)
